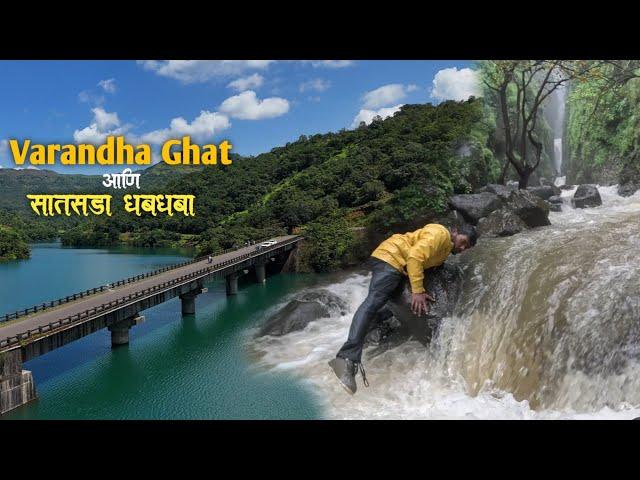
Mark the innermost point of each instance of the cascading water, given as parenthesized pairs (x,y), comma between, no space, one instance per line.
(547,327)
(555,113)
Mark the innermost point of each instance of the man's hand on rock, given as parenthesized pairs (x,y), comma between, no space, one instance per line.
(419,303)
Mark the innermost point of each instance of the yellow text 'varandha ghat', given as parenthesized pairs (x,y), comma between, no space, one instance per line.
(155,204)
(115,151)
(62,204)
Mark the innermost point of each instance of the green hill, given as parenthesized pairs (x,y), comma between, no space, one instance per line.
(343,190)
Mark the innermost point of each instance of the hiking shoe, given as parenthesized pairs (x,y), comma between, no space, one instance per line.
(346,371)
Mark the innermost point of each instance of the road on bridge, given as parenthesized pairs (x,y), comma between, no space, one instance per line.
(41,319)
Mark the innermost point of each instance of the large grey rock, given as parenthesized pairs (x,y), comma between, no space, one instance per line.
(556,199)
(544,192)
(532,210)
(444,283)
(501,223)
(586,196)
(628,189)
(302,310)
(502,191)
(567,187)
(474,206)
(629,178)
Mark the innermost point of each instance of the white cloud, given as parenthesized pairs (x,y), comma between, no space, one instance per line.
(247,106)
(412,88)
(332,63)
(201,129)
(105,120)
(108,85)
(316,85)
(367,116)
(386,95)
(87,96)
(198,71)
(103,125)
(246,83)
(454,84)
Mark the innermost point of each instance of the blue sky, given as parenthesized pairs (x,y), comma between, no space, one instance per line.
(256,105)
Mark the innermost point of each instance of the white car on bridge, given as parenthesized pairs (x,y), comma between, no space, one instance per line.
(267,244)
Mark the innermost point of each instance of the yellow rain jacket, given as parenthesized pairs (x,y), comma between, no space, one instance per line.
(413,252)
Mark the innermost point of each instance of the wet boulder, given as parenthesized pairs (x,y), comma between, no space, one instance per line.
(629,179)
(532,210)
(628,189)
(302,310)
(544,192)
(474,206)
(586,196)
(444,283)
(555,203)
(501,223)
(567,187)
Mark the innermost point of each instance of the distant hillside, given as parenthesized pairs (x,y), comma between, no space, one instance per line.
(340,189)
(16,212)
(16,184)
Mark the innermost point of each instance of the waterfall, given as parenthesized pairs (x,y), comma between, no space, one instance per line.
(555,117)
(546,327)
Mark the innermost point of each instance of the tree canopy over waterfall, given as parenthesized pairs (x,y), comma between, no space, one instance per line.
(603,129)
(521,96)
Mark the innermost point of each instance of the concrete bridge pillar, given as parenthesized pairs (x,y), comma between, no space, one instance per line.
(188,303)
(232,283)
(120,331)
(17,386)
(261,272)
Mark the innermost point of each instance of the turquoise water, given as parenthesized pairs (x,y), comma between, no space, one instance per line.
(194,367)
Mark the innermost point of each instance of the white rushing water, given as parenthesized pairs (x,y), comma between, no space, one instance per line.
(546,329)
(555,113)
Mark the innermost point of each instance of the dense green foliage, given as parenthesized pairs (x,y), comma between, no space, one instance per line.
(603,133)
(341,190)
(494,122)
(379,179)
(12,245)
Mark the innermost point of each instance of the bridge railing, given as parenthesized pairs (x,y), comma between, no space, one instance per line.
(118,283)
(21,337)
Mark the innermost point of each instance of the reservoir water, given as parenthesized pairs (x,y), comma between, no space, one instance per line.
(173,368)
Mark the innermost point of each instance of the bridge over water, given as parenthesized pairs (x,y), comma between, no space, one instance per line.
(27,334)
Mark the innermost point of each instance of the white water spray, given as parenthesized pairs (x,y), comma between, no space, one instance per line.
(546,328)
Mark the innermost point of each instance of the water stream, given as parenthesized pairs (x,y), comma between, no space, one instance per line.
(547,327)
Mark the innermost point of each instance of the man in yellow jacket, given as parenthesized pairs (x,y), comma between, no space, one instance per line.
(400,256)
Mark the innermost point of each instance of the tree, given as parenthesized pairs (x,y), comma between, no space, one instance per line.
(532,82)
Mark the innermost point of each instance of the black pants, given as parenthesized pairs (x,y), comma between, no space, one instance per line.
(384,282)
